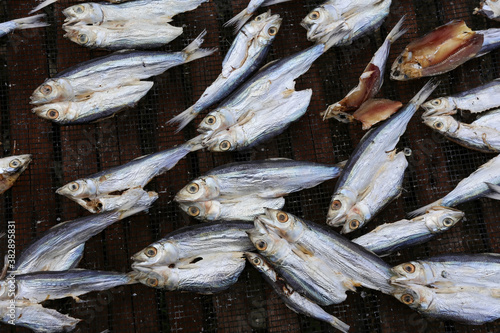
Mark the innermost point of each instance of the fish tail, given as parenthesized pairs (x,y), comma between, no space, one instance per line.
(495,191)
(31,22)
(272,2)
(339,324)
(42,5)
(397,32)
(184,118)
(239,20)
(425,92)
(423,210)
(193,50)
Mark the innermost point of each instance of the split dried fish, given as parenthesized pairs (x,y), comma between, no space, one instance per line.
(248,51)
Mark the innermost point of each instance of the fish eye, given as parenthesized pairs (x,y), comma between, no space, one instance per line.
(409,268)
(52,114)
(210,120)
(272,31)
(151,251)
(354,224)
(448,222)
(225,145)
(336,205)
(436,102)
(256,261)
(74,186)
(46,89)
(407,299)
(79,9)
(400,60)
(407,151)
(258,18)
(439,125)
(15,163)
(314,15)
(82,38)
(193,188)
(152,282)
(193,211)
(261,245)
(282,217)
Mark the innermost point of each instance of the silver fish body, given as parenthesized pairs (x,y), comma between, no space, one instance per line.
(391,237)
(108,72)
(204,273)
(489,8)
(292,299)
(123,35)
(36,317)
(158,11)
(263,125)
(30,22)
(453,270)
(482,135)
(473,307)
(248,51)
(269,178)
(272,82)
(357,265)
(11,168)
(61,247)
(480,183)
(387,185)
(195,240)
(475,100)
(244,208)
(306,274)
(368,157)
(338,23)
(100,105)
(88,191)
(41,286)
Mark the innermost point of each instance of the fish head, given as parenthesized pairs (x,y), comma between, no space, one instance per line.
(415,296)
(265,241)
(216,121)
(317,22)
(404,69)
(409,272)
(161,277)
(439,218)
(201,189)
(56,112)
(156,254)
(52,90)
(266,27)
(439,106)
(87,13)
(14,165)
(356,218)
(341,203)
(258,261)
(284,224)
(78,189)
(85,35)
(442,124)
(223,141)
(203,210)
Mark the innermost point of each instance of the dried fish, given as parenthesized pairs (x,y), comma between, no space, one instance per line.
(22,23)
(11,168)
(239,20)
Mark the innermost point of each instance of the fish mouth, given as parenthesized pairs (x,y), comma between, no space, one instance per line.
(140,268)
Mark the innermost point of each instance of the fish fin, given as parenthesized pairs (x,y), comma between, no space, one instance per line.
(495,191)
(272,2)
(193,50)
(183,118)
(245,118)
(31,22)
(239,20)
(424,209)
(303,251)
(42,5)
(397,32)
(339,324)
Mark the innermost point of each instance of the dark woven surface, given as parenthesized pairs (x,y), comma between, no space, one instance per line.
(62,154)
